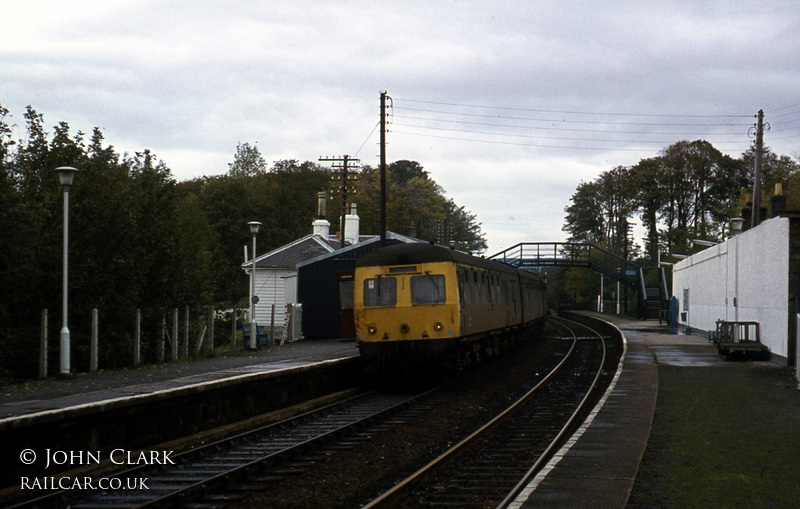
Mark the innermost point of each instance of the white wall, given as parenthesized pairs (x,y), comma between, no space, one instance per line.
(753,269)
(271,289)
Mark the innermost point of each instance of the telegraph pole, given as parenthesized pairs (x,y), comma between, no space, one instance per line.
(383,168)
(756,216)
(342,163)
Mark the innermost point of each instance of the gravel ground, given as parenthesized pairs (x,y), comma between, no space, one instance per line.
(722,437)
(112,379)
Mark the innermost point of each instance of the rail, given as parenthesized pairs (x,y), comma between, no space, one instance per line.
(468,461)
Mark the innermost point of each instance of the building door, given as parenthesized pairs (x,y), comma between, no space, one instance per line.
(345,281)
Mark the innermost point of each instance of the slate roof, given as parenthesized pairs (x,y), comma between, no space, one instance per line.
(303,249)
(289,255)
(363,241)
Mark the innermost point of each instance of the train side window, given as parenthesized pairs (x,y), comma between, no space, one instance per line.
(380,291)
(427,289)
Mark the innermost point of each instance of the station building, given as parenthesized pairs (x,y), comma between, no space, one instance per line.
(308,282)
(751,277)
(275,272)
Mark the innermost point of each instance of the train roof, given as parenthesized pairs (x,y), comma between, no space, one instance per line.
(407,254)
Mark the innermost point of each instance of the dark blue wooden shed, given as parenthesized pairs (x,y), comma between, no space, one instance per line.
(325,290)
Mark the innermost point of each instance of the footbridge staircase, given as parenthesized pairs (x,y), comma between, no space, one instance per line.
(651,289)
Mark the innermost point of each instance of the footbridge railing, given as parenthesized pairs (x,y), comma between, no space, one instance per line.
(538,255)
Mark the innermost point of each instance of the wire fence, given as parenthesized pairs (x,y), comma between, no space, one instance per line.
(122,338)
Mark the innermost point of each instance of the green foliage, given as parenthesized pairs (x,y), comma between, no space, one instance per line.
(132,243)
(416,206)
(141,240)
(247,162)
(690,191)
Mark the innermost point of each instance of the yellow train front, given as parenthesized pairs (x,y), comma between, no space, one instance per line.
(416,302)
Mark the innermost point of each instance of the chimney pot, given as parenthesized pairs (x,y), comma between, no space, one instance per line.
(352,226)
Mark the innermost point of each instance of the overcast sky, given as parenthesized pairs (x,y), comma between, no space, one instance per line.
(508,104)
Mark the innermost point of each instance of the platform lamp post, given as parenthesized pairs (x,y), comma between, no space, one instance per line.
(66,175)
(254,226)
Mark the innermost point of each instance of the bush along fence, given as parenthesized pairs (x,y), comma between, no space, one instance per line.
(116,339)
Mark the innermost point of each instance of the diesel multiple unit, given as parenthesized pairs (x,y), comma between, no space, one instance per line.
(422,301)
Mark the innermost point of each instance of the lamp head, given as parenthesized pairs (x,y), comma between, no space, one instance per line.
(66,174)
(736,224)
(254,225)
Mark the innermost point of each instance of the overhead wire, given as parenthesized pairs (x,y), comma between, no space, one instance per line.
(575,111)
(597,140)
(551,127)
(367,138)
(786,125)
(514,123)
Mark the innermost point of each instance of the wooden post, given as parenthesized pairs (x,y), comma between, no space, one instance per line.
(287,327)
(43,347)
(137,339)
(233,329)
(210,325)
(186,334)
(174,342)
(200,340)
(271,341)
(93,344)
(161,341)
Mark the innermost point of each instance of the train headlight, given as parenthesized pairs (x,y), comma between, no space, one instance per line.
(438,326)
(372,329)
(404,328)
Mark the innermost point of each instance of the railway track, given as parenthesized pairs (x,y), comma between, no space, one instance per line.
(203,475)
(353,450)
(493,465)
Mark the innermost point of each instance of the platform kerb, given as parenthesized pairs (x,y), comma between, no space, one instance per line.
(167,412)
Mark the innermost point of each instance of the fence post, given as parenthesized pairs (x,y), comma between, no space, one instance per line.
(186,334)
(287,327)
(174,341)
(137,339)
(271,341)
(200,340)
(93,345)
(233,329)
(161,341)
(210,322)
(43,347)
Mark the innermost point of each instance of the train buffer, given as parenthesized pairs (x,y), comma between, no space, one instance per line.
(737,337)
(261,334)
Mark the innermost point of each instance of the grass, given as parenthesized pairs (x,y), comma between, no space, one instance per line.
(722,437)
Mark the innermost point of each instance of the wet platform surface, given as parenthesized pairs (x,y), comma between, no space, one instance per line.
(87,388)
(598,466)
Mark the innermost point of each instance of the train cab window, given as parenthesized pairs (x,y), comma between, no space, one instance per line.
(427,289)
(380,291)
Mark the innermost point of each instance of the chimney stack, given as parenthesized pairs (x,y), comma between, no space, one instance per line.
(351,228)
(321,226)
(778,201)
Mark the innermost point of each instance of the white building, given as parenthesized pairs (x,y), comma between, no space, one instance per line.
(276,271)
(753,276)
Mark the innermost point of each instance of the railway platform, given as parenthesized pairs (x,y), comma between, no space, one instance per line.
(85,388)
(179,404)
(682,427)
